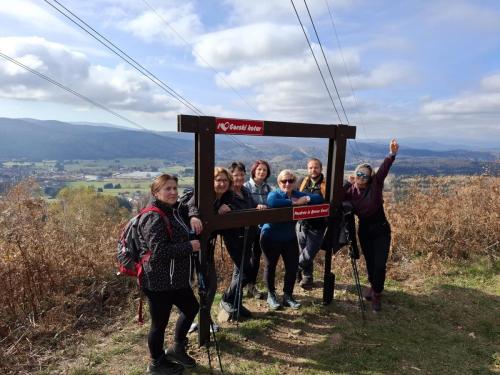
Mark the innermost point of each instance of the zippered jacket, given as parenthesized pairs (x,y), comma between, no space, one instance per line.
(259,192)
(284,231)
(169,266)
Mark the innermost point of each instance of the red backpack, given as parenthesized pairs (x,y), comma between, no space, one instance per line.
(130,255)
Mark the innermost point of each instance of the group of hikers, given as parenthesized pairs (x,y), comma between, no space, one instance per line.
(168,232)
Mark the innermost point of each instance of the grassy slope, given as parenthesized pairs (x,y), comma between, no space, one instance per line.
(437,325)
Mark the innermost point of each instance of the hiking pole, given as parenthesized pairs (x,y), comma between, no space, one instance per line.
(239,295)
(202,291)
(354,254)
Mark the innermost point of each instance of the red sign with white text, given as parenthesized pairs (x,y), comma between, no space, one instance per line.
(311,212)
(239,127)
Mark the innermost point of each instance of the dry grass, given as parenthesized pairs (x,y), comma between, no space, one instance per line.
(57,260)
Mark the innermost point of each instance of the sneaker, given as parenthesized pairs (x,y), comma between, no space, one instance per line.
(289,301)
(177,353)
(254,292)
(214,327)
(193,328)
(376,303)
(368,293)
(227,307)
(272,301)
(307,283)
(164,367)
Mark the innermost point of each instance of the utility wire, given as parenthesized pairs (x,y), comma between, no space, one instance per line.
(217,73)
(326,61)
(123,55)
(316,60)
(76,93)
(343,60)
(132,62)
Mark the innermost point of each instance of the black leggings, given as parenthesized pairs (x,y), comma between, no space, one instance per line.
(235,249)
(375,241)
(289,251)
(255,258)
(160,305)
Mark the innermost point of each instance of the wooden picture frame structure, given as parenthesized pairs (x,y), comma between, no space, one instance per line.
(205,128)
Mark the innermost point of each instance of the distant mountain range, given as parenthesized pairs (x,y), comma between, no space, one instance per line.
(31,139)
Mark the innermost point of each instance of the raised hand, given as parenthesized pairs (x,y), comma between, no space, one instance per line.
(394,146)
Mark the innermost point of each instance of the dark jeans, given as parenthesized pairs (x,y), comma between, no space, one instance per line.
(160,305)
(235,249)
(256,252)
(375,241)
(310,241)
(289,251)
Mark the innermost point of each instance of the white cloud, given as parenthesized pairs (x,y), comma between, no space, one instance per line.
(34,15)
(116,87)
(247,44)
(491,83)
(244,11)
(151,26)
(467,14)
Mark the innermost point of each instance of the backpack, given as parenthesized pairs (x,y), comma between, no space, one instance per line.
(130,256)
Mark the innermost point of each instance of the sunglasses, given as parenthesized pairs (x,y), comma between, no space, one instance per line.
(362,175)
(289,180)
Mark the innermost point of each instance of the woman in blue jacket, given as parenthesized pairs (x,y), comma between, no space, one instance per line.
(279,239)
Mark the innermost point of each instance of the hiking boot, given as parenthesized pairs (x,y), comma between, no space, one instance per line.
(272,301)
(367,294)
(177,353)
(376,303)
(254,292)
(307,283)
(289,301)
(164,367)
(194,328)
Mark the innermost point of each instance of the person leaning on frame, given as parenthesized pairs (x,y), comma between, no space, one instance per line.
(279,239)
(364,191)
(310,232)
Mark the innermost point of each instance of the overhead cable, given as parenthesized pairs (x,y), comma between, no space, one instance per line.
(348,74)
(129,60)
(76,93)
(316,60)
(123,55)
(326,61)
(217,73)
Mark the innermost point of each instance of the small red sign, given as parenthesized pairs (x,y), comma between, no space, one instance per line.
(311,212)
(239,127)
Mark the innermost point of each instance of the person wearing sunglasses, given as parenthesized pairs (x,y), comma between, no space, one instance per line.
(279,239)
(364,191)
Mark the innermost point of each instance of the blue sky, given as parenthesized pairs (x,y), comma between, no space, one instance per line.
(406,68)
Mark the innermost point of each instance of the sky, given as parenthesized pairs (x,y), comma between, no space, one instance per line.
(409,68)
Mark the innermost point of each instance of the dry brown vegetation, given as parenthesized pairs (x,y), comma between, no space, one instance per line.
(58,268)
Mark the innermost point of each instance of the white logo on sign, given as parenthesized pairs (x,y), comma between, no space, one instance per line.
(224,126)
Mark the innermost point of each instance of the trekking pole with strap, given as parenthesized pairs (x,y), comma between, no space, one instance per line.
(202,291)
(238,297)
(354,255)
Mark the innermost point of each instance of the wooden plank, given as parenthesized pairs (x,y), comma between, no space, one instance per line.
(189,124)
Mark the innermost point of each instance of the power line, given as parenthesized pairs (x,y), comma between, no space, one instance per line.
(76,93)
(316,60)
(217,73)
(343,60)
(123,55)
(326,61)
(132,62)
